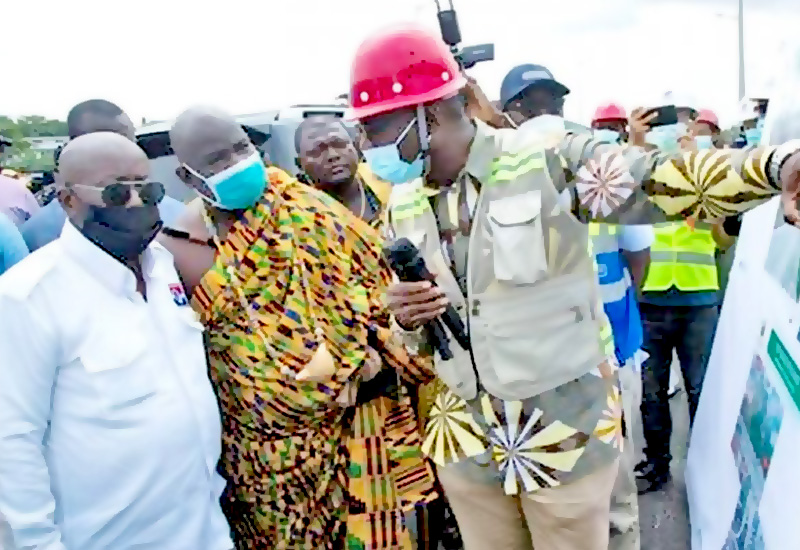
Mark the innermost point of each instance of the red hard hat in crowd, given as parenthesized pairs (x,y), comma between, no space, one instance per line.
(708,116)
(399,69)
(610,111)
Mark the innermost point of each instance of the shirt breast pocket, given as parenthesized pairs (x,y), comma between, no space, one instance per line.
(119,370)
(518,250)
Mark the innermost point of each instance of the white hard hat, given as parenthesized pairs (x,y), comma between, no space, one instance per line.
(748,110)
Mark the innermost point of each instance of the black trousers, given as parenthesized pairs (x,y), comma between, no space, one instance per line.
(690,331)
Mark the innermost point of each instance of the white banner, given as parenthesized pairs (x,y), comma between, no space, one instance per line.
(742,477)
(741,474)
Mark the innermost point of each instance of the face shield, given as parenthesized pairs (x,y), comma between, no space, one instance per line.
(782,120)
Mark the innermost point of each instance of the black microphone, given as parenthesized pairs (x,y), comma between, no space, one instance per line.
(410,267)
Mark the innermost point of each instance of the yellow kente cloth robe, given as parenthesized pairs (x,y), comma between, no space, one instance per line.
(294,273)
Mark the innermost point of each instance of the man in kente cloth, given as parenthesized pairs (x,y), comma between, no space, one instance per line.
(289,285)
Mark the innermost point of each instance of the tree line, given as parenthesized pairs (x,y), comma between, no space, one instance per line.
(20,156)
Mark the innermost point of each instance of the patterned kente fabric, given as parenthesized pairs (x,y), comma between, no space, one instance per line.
(307,473)
(377,194)
(561,435)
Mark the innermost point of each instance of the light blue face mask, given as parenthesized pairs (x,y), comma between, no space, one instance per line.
(703,142)
(753,136)
(665,138)
(606,135)
(385,160)
(237,187)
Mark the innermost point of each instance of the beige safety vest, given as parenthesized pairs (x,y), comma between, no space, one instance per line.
(532,307)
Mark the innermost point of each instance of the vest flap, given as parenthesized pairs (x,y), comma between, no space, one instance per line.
(517,209)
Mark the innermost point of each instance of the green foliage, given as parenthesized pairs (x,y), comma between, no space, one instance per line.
(21,156)
(39,126)
(32,160)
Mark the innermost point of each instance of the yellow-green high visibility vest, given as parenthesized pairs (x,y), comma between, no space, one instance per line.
(683,257)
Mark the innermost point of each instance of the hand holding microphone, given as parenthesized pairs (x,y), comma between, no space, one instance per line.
(417,301)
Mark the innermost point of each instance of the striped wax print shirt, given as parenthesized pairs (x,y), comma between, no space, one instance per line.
(605,183)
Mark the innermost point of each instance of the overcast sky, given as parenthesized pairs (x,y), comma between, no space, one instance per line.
(156,57)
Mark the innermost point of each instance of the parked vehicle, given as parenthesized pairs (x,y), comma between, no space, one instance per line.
(271,131)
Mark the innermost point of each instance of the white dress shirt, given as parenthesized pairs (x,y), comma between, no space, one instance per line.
(109,427)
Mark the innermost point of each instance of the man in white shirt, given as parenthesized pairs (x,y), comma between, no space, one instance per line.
(109,428)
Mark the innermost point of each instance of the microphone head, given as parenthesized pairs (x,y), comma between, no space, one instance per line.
(401,253)
(406,261)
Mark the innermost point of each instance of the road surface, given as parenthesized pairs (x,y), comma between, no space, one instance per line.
(663,515)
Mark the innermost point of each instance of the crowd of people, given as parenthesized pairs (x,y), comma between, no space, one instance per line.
(247,371)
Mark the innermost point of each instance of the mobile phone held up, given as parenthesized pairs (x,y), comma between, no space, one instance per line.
(664,116)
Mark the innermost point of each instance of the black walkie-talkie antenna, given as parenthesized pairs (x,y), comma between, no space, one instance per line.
(448,24)
(451,35)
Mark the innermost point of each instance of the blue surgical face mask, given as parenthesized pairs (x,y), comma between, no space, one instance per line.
(237,187)
(665,138)
(703,142)
(753,136)
(386,163)
(606,135)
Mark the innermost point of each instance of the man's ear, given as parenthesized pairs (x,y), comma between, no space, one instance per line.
(302,176)
(360,138)
(65,195)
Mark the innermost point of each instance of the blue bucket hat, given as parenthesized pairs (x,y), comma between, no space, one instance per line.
(522,77)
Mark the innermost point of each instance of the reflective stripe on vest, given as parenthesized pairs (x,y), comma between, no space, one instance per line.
(509,167)
(606,337)
(613,276)
(410,205)
(600,237)
(617,290)
(683,257)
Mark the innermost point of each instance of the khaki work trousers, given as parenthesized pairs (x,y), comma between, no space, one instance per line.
(567,517)
(624,498)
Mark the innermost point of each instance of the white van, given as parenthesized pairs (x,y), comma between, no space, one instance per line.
(272,132)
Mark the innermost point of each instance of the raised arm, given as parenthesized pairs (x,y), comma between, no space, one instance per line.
(27,376)
(625,184)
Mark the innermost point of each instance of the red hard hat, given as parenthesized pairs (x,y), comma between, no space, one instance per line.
(610,111)
(707,116)
(399,69)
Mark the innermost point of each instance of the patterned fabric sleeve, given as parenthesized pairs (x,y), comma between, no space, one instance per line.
(630,185)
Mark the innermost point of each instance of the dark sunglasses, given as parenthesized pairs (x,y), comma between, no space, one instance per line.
(119,193)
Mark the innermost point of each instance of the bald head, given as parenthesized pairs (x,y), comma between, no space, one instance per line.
(98,115)
(93,168)
(208,141)
(102,157)
(201,132)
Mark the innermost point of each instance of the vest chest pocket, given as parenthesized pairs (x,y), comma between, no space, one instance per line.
(517,240)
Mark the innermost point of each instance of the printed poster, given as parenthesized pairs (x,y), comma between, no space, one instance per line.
(742,480)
